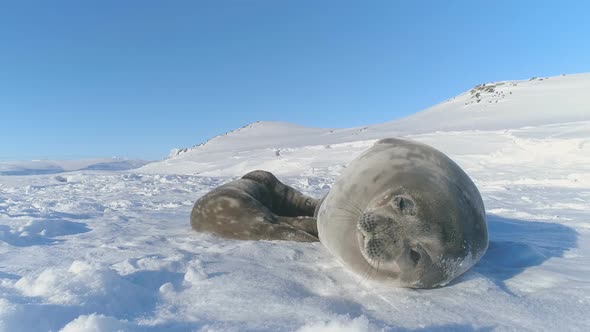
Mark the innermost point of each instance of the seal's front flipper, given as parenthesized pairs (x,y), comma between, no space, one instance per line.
(284,231)
(306,224)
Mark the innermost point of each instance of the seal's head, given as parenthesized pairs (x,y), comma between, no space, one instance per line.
(417,219)
(413,239)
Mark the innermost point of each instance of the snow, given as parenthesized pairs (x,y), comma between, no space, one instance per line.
(107,250)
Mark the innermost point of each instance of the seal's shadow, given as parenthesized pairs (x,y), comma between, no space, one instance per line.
(516,245)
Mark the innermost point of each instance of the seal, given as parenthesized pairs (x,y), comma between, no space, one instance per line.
(402,213)
(406,214)
(256,207)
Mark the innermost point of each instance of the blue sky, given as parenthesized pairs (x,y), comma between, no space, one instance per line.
(137,78)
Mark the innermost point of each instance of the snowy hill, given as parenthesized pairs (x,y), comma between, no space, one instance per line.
(501,109)
(491,106)
(113,250)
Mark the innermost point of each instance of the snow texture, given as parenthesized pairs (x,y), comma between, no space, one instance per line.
(108,250)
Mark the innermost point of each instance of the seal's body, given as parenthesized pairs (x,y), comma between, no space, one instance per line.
(256,207)
(402,213)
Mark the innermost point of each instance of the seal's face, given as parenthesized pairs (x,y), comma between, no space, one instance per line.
(401,241)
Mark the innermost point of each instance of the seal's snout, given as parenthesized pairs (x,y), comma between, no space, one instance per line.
(376,249)
(367,223)
(377,236)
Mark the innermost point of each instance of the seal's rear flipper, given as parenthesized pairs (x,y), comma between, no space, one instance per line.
(286,200)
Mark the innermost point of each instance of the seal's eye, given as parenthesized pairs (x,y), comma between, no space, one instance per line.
(415,256)
(402,203)
(405,205)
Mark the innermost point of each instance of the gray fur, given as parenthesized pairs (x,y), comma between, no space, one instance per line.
(404,213)
(256,207)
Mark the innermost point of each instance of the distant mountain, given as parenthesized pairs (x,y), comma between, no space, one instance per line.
(36,167)
(256,135)
(490,106)
(496,106)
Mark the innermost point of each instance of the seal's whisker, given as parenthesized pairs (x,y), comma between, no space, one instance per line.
(344,217)
(344,213)
(367,273)
(347,210)
(376,269)
(352,205)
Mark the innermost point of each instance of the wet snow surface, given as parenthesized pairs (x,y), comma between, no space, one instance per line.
(113,250)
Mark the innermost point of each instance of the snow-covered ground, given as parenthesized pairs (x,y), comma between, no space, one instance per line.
(109,250)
